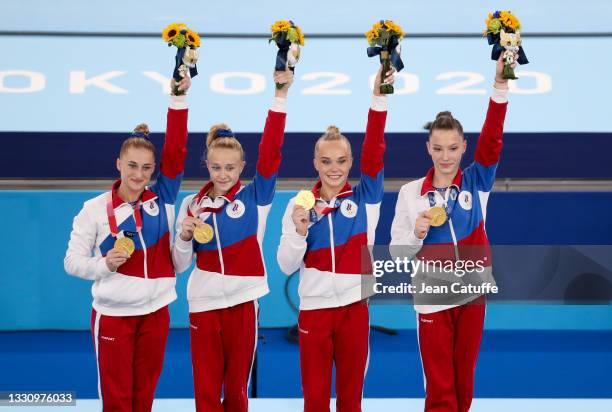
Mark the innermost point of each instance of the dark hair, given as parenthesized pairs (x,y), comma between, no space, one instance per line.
(444,121)
(138,140)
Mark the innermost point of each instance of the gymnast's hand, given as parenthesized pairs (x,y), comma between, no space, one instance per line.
(188,225)
(286,79)
(501,83)
(183,85)
(389,79)
(115,258)
(300,219)
(422,224)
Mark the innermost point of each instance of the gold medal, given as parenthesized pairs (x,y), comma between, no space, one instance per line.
(203,233)
(126,244)
(306,199)
(438,216)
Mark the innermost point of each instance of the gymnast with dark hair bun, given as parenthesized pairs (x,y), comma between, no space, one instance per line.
(440,221)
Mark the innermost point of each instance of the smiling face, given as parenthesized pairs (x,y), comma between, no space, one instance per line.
(333,161)
(136,165)
(224,166)
(446,147)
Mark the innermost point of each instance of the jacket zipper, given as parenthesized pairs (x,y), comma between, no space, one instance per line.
(452,230)
(218,244)
(332,242)
(144,250)
(450,225)
(144,260)
(333,253)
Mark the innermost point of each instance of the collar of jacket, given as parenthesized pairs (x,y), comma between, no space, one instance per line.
(428,182)
(117,201)
(344,192)
(229,196)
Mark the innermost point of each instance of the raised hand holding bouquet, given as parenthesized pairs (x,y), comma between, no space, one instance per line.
(503,31)
(384,38)
(187,42)
(288,37)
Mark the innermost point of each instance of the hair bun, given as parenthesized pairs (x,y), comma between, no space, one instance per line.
(142,128)
(444,114)
(213,132)
(331,129)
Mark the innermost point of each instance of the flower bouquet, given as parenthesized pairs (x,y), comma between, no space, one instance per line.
(288,37)
(503,31)
(187,42)
(384,38)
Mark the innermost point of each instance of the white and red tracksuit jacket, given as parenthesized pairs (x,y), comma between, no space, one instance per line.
(230,269)
(333,254)
(463,235)
(146,282)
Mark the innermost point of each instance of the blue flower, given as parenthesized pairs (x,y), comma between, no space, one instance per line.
(496,14)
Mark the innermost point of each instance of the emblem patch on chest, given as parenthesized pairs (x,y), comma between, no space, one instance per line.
(151,208)
(465,200)
(348,208)
(235,209)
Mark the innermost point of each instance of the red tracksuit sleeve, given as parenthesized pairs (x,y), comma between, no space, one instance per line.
(490,143)
(173,156)
(488,148)
(372,153)
(269,159)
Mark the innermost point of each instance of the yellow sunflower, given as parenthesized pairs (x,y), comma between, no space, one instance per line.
(394,27)
(300,35)
(193,38)
(172,30)
(281,25)
(515,23)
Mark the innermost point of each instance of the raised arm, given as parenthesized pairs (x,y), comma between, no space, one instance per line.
(373,148)
(490,142)
(269,158)
(174,151)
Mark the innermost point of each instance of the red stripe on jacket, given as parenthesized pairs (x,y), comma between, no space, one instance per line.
(159,265)
(351,257)
(243,258)
(269,158)
(373,148)
(490,143)
(174,151)
(472,248)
